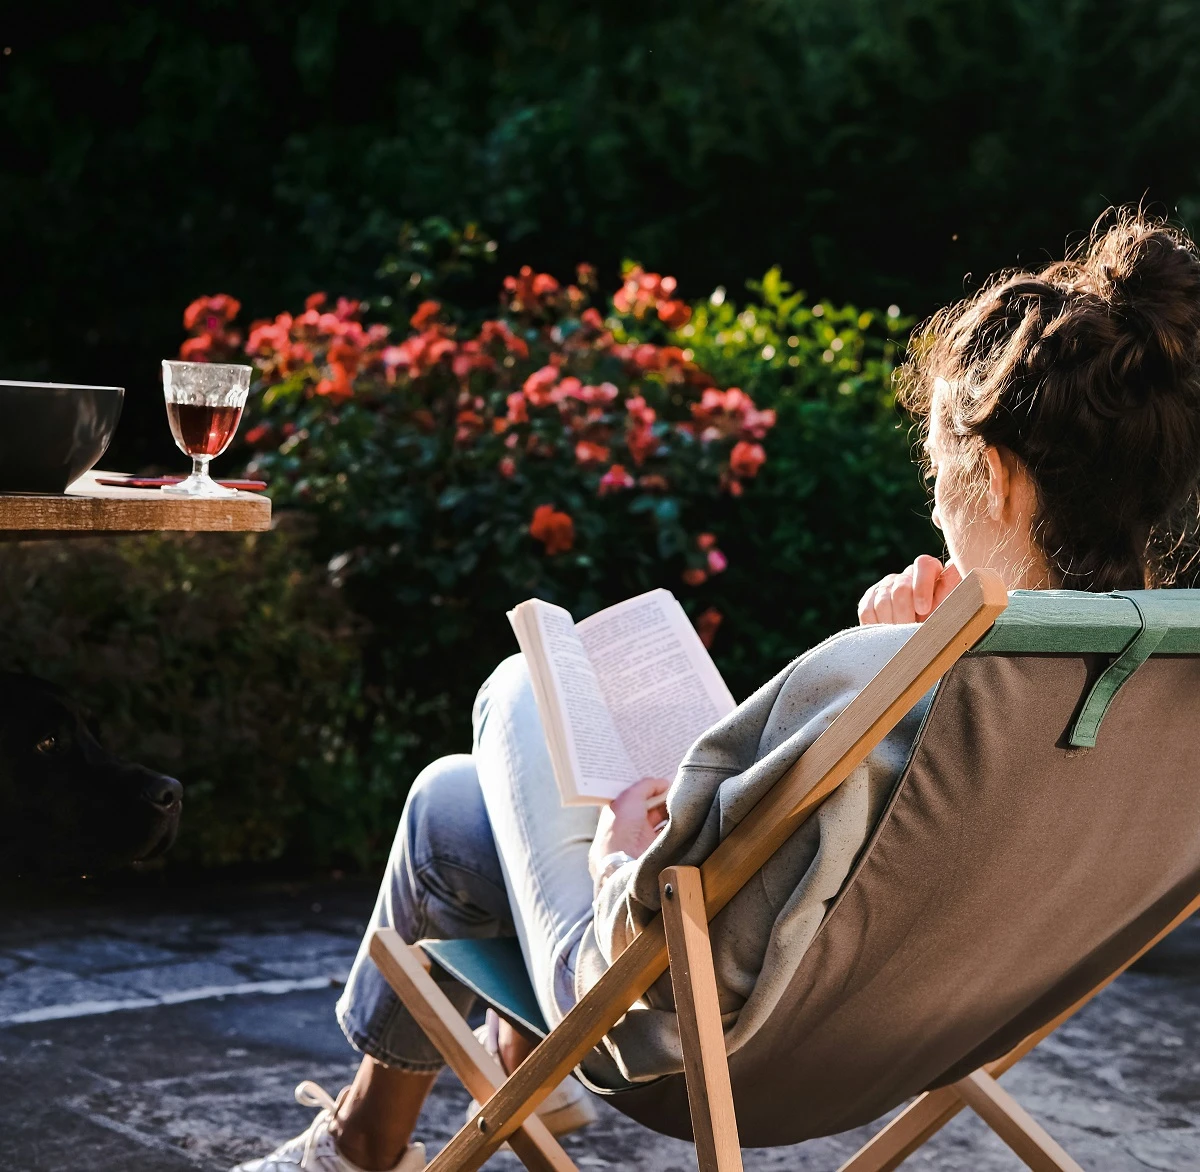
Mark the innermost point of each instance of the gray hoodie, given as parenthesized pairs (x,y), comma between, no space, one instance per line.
(761,935)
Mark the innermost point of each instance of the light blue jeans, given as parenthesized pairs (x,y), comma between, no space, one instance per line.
(485,848)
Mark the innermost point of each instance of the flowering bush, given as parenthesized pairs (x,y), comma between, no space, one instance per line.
(553,449)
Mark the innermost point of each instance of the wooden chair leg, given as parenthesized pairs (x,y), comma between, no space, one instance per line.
(919,1122)
(406,969)
(706,1068)
(1013,1124)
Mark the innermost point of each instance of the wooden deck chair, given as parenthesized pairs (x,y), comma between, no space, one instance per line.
(1044,834)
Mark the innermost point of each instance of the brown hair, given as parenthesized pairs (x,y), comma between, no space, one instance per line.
(1089,372)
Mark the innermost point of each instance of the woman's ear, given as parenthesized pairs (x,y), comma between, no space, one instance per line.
(999,481)
(1011,496)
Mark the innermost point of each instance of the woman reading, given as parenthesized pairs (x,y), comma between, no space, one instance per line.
(1060,410)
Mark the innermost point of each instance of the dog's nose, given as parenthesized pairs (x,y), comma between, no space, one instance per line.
(162,791)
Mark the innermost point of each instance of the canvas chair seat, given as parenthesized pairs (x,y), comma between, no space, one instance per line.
(1011,874)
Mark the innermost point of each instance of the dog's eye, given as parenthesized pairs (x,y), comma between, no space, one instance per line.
(46,745)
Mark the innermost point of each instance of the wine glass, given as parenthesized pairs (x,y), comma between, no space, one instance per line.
(204,406)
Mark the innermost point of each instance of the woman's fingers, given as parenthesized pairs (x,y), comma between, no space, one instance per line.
(645,798)
(883,600)
(911,595)
(950,577)
(649,787)
(866,608)
(902,598)
(926,571)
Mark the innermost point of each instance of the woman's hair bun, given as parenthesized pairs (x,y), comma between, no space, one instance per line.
(1148,275)
(1088,370)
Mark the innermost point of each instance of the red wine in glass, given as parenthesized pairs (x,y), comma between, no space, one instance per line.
(203,430)
(204,406)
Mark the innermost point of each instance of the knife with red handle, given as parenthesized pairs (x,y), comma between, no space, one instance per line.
(159,481)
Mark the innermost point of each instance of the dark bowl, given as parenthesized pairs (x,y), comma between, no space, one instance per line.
(52,433)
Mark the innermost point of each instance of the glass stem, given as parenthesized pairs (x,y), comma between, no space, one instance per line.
(200,467)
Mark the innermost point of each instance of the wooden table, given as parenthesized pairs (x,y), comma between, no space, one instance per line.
(89,508)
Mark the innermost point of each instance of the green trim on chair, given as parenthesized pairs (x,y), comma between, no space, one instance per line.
(1154,630)
(1073,622)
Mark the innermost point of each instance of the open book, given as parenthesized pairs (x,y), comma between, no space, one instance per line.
(622,694)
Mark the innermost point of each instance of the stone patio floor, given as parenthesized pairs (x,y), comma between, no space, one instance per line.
(163,1030)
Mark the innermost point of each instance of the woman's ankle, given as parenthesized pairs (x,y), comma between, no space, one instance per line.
(375,1116)
(514,1047)
(362,1148)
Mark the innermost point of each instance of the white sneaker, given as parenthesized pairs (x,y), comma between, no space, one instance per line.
(565,1109)
(314,1150)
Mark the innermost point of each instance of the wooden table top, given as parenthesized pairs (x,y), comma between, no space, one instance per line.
(87,507)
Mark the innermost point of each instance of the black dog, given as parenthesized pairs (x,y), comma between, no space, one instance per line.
(66,804)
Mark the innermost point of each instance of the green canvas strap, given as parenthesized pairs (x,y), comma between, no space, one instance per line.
(1153,629)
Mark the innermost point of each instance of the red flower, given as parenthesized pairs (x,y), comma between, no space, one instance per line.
(716,561)
(469,425)
(272,339)
(425,314)
(587,452)
(758,423)
(730,413)
(570,388)
(615,479)
(746,459)
(539,386)
(345,354)
(529,291)
(314,301)
(674,314)
(337,385)
(517,411)
(469,358)
(639,414)
(256,435)
(604,393)
(211,313)
(644,291)
(694,576)
(197,349)
(640,438)
(592,319)
(439,349)
(554,529)
(492,332)
(646,357)
(642,444)
(706,540)
(707,624)
(507,467)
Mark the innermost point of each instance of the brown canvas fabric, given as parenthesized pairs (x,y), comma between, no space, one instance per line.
(1009,876)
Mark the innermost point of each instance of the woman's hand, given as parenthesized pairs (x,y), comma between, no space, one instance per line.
(630,822)
(911,595)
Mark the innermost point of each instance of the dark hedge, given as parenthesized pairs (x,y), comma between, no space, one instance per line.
(877,149)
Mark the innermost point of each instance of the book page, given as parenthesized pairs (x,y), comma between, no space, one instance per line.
(599,760)
(656,677)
